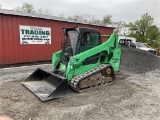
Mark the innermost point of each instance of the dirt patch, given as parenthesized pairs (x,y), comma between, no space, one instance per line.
(131,97)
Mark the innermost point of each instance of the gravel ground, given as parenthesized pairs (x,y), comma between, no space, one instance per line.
(138,61)
(132,97)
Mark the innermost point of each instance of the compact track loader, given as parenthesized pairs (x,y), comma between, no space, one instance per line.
(83,62)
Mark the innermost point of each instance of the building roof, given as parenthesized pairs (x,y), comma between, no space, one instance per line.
(25,14)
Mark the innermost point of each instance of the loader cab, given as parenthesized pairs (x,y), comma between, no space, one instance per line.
(78,40)
(89,39)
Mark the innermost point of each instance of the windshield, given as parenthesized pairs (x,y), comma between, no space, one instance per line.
(140,44)
(71,38)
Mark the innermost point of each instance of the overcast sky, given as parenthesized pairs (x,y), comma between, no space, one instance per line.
(121,10)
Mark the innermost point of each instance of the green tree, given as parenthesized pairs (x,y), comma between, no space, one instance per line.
(107,19)
(78,18)
(140,28)
(144,30)
(26,7)
(91,19)
(153,34)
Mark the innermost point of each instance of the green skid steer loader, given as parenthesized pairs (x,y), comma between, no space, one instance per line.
(83,62)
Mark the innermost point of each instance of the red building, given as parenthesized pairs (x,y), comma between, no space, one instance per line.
(18,27)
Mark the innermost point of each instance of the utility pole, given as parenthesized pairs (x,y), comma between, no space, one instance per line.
(0,6)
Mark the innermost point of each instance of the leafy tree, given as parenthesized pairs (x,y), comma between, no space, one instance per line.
(97,22)
(140,28)
(91,19)
(26,7)
(144,30)
(153,33)
(107,19)
(78,18)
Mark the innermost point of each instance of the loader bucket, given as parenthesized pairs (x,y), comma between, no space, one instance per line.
(46,85)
